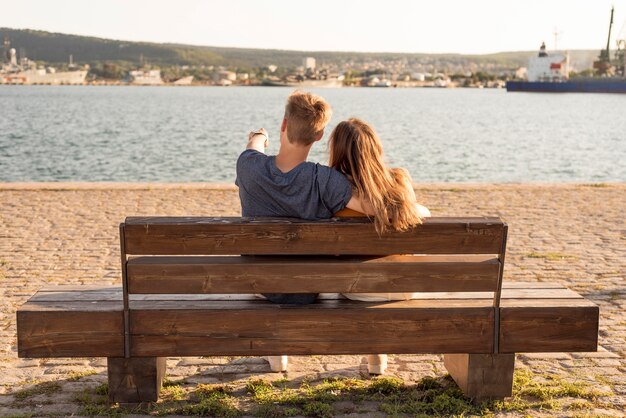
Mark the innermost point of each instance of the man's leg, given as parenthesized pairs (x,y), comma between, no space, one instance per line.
(291,298)
(279,363)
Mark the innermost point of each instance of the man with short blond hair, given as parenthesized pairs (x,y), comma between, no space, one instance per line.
(286,185)
(306,116)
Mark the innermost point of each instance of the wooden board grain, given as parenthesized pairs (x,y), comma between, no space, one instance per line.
(549,327)
(70,332)
(135,380)
(310,331)
(228,236)
(297,274)
(482,376)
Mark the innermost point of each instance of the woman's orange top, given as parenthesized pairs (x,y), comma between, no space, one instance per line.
(349,213)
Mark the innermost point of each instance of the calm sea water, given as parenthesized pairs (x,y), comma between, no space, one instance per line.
(174,134)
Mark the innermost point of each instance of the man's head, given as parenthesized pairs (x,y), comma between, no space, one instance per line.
(306,116)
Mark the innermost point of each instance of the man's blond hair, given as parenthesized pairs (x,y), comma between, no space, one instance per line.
(307,115)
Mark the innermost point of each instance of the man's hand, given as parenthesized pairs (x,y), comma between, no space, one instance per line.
(258,140)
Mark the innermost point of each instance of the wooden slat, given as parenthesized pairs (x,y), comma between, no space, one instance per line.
(275,236)
(70,330)
(531,285)
(549,327)
(311,331)
(71,345)
(337,303)
(296,274)
(86,296)
(65,306)
(547,302)
(81,288)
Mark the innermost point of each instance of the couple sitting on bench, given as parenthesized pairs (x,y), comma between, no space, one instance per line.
(356,183)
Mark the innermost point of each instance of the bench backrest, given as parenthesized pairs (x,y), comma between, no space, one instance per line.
(197,255)
(204,255)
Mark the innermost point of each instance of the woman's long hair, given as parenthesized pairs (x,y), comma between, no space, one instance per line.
(356,151)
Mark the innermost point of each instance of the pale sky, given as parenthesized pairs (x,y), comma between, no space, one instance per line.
(463,26)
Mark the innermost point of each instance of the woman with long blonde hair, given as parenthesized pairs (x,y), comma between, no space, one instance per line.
(387,195)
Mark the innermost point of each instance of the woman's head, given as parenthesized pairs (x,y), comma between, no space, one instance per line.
(356,150)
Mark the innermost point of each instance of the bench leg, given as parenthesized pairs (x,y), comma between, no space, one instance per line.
(135,379)
(482,376)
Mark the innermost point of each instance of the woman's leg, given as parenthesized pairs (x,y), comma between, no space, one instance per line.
(277,363)
(377,363)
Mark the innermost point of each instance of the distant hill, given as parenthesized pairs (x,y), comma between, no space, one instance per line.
(55,48)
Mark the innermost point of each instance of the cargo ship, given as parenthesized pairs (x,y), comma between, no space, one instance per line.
(549,73)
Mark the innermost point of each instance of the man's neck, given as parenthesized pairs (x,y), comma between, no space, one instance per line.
(290,155)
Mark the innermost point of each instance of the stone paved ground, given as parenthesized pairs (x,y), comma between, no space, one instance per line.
(67,234)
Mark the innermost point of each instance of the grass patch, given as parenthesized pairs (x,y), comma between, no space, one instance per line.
(103,389)
(95,404)
(615,295)
(204,400)
(43,388)
(550,256)
(74,376)
(428,397)
(318,409)
(27,415)
(552,393)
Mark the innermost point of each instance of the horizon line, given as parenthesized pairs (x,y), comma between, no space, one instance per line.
(288,50)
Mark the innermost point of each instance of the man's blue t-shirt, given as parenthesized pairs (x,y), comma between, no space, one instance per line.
(308,191)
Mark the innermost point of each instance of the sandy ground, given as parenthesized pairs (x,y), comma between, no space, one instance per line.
(67,233)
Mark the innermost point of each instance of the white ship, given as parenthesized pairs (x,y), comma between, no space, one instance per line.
(145,77)
(27,72)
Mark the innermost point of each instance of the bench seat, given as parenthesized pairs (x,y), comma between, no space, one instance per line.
(88,322)
(72,321)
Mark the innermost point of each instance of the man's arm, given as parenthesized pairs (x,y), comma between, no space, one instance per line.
(258,140)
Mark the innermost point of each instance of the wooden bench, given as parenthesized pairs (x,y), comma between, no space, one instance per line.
(172,269)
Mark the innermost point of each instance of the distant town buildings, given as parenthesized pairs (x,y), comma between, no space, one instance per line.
(308,63)
(145,77)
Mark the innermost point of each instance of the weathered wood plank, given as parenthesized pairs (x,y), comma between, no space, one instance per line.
(80,344)
(306,331)
(227,236)
(521,297)
(254,305)
(135,380)
(541,303)
(70,306)
(69,331)
(546,328)
(80,288)
(181,345)
(241,274)
(482,376)
(531,285)
(113,295)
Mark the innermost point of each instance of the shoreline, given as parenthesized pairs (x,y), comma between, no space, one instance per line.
(107,185)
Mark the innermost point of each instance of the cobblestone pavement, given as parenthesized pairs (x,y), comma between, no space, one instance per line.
(68,234)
